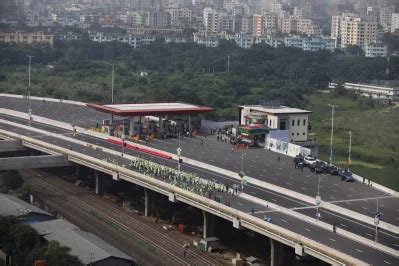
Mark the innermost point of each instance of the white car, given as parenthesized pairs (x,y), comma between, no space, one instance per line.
(309,160)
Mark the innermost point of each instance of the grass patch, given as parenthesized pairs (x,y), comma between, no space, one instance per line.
(375,136)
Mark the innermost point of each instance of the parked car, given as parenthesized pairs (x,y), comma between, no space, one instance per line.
(346,175)
(309,160)
(319,167)
(332,169)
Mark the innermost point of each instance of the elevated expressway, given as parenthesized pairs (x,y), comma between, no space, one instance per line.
(304,234)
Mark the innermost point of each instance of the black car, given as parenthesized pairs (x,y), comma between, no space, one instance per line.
(332,169)
(319,167)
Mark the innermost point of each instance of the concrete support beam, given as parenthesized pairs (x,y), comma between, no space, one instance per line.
(11,145)
(208,224)
(274,252)
(99,182)
(77,169)
(147,202)
(131,126)
(31,162)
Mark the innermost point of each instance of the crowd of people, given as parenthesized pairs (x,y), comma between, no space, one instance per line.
(181,179)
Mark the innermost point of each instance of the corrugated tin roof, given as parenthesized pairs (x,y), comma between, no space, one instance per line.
(11,205)
(86,246)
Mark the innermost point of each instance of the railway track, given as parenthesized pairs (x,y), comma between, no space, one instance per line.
(117,216)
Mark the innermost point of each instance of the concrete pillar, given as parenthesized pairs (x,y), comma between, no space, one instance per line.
(131,126)
(189,123)
(77,169)
(99,182)
(208,224)
(274,252)
(146,202)
(160,125)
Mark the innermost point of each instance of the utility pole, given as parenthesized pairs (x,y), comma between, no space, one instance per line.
(228,64)
(112,84)
(349,150)
(332,131)
(30,102)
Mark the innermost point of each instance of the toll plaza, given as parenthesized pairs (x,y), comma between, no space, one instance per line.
(149,120)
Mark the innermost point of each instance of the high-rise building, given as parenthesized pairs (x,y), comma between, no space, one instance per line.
(257,25)
(211,20)
(352,30)
(386,17)
(395,23)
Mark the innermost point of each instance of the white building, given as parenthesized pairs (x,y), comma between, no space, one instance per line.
(376,50)
(386,17)
(310,44)
(294,120)
(211,20)
(395,22)
(374,91)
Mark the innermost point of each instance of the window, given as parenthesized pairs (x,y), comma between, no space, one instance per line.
(303,133)
(297,134)
(297,123)
(304,122)
(293,122)
(292,134)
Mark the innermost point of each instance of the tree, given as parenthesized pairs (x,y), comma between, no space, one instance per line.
(11,179)
(354,50)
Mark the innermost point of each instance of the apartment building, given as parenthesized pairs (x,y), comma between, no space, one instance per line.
(20,37)
(376,50)
(257,25)
(352,30)
(395,23)
(211,20)
(385,17)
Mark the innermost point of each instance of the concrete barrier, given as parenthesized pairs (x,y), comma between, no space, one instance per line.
(253,181)
(42,98)
(276,232)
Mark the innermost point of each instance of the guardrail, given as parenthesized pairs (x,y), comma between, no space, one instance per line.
(42,98)
(297,215)
(270,230)
(284,191)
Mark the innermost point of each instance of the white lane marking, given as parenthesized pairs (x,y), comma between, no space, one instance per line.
(358,250)
(289,184)
(332,239)
(303,188)
(364,208)
(253,192)
(343,225)
(387,262)
(274,200)
(396,245)
(307,229)
(239,203)
(335,184)
(283,220)
(331,197)
(369,234)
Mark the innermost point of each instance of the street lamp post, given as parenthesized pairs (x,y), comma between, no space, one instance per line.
(112,84)
(178,155)
(318,199)
(377,216)
(30,101)
(349,150)
(332,132)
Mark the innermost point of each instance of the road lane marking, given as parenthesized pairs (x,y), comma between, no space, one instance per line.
(283,220)
(274,200)
(358,250)
(289,184)
(308,230)
(364,208)
(239,203)
(387,262)
(343,225)
(332,239)
(369,234)
(252,192)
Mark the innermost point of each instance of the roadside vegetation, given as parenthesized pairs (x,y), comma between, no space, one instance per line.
(81,70)
(23,244)
(375,135)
